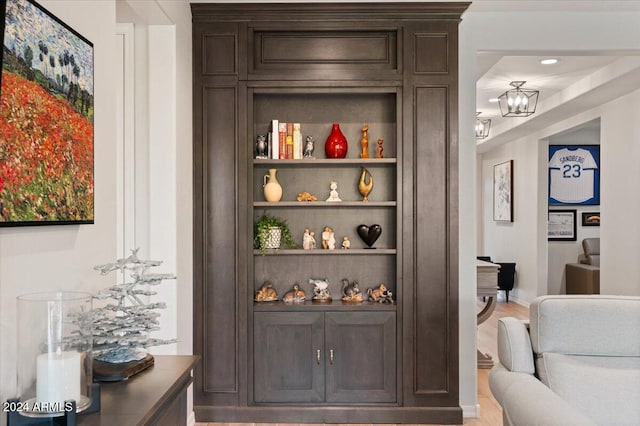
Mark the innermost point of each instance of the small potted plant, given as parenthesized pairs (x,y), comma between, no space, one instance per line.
(270,232)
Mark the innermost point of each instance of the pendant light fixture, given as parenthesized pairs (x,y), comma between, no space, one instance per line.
(482,126)
(518,102)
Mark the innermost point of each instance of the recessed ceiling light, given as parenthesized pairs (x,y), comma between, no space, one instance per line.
(493,100)
(549,61)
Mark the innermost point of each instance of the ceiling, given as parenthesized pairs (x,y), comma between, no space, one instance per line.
(552,5)
(576,83)
(498,71)
(580,81)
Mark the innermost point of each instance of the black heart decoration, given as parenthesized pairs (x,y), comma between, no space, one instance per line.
(369,234)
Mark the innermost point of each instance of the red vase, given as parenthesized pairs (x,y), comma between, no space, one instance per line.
(336,145)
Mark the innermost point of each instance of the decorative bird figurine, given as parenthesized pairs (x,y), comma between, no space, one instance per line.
(365,187)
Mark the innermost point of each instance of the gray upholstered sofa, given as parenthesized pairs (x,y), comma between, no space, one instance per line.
(577,364)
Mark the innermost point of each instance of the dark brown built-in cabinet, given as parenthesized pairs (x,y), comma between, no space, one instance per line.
(389,65)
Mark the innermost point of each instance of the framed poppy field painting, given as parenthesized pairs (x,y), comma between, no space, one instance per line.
(46,119)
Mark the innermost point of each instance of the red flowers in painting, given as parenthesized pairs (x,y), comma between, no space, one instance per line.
(46,156)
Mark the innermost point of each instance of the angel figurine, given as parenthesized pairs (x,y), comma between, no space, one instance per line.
(333,194)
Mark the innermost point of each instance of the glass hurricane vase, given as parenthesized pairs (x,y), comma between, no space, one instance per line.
(54,364)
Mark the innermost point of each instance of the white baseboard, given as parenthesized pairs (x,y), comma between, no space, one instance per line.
(191,420)
(519,301)
(471,411)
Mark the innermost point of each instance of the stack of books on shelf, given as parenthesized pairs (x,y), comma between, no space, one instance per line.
(285,141)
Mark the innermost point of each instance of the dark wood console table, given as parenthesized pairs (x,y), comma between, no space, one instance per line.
(157,396)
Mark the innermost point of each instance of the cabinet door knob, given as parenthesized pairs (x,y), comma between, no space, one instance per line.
(331,356)
(318,357)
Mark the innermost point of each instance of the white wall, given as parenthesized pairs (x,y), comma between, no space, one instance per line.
(180,14)
(163,116)
(61,257)
(162,221)
(503,239)
(467,328)
(620,196)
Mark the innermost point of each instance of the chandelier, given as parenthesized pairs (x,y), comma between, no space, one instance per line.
(518,102)
(482,126)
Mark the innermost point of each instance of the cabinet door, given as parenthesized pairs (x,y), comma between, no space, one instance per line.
(288,351)
(361,357)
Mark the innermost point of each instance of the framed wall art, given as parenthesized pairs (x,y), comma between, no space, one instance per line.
(503,192)
(574,174)
(590,218)
(46,119)
(562,225)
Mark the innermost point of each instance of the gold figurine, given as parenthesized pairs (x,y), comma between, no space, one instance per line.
(379,148)
(364,142)
(365,187)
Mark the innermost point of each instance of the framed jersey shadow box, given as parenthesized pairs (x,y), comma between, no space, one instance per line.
(574,175)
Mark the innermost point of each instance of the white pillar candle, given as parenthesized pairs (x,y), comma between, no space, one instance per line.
(58,377)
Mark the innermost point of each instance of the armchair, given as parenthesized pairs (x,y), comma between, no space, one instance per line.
(584,277)
(578,364)
(591,255)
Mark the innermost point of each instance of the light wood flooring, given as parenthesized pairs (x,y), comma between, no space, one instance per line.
(490,411)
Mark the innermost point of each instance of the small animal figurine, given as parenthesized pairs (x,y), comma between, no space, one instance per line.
(266,293)
(346,244)
(328,238)
(295,295)
(308,147)
(364,142)
(320,290)
(379,148)
(380,294)
(351,291)
(365,187)
(261,147)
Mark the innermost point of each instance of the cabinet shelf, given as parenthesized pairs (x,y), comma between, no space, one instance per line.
(328,162)
(311,204)
(335,305)
(322,252)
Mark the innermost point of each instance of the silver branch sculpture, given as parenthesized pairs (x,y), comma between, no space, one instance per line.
(121,330)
